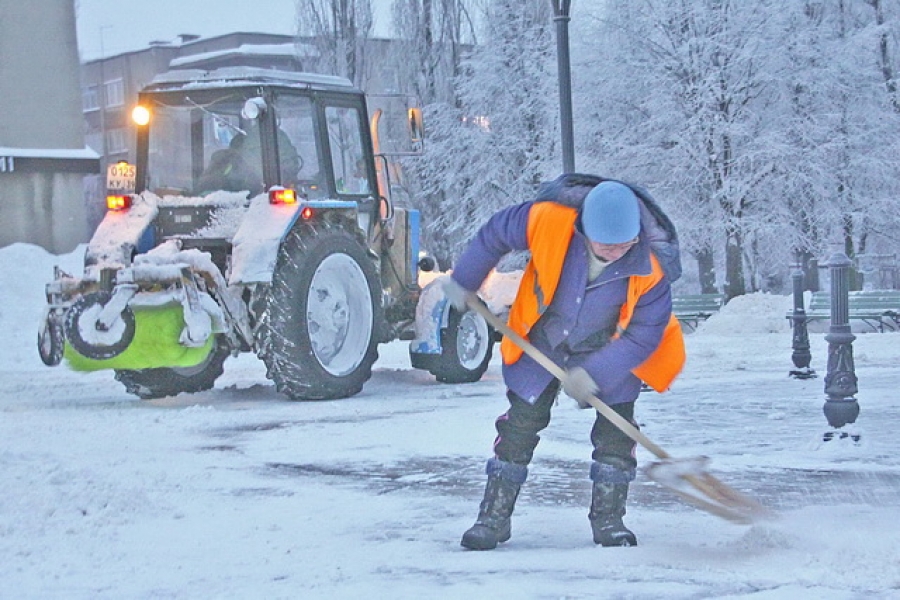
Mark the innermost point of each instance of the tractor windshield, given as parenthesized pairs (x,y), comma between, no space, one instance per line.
(200,143)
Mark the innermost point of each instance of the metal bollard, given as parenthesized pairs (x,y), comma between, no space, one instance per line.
(840,406)
(812,277)
(801,355)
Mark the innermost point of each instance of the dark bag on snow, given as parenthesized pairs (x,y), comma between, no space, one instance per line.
(570,189)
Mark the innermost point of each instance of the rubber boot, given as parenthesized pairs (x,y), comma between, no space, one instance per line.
(493,524)
(609,494)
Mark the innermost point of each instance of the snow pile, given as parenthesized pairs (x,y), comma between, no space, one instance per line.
(499,290)
(751,313)
(26,269)
(258,238)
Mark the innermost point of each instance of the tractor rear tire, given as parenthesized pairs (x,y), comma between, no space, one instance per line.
(319,323)
(148,384)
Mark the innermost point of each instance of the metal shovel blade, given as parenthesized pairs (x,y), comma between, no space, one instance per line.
(689,480)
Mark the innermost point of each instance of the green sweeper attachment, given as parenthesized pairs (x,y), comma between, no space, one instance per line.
(141,338)
(159,313)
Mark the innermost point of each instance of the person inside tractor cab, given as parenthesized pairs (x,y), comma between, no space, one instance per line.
(249,145)
(229,171)
(357,182)
(239,167)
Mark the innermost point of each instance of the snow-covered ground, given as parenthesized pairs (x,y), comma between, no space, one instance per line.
(238,493)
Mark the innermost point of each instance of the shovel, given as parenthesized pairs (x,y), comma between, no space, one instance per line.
(687,478)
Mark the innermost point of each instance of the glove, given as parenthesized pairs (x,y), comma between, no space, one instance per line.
(580,386)
(456,294)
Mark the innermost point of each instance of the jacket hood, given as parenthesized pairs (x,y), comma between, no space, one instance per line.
(570,189)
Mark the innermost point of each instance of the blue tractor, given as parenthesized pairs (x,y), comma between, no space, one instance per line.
(261,215)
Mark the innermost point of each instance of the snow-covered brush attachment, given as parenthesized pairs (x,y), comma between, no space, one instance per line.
(687,478)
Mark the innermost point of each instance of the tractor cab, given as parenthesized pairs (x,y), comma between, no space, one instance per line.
(292,136)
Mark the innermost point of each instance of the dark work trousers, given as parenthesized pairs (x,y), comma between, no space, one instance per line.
(518,427)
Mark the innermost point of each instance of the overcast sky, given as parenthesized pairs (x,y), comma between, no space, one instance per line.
(108,27)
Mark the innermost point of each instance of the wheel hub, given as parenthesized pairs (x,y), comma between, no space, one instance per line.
(339,314)
(472,342)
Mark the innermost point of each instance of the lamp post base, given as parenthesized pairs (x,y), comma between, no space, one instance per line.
(803,373)
(841,412)
(838,435)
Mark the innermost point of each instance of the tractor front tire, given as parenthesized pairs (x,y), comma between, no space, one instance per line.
(466,348)
(148,384)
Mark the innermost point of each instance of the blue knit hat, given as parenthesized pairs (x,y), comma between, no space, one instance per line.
(610,214)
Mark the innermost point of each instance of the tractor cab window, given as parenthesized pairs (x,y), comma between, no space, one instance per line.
(298,152)
(192,147)
(347,156)
(203,143)
(227,165)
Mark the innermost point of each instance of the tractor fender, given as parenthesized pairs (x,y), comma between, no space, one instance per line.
(121,235)
(257,241)
(432,314)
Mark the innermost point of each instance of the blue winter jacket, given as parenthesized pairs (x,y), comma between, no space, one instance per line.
(577,327)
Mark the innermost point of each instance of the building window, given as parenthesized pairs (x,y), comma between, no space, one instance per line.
(116,141)
(89,99)
(115,92)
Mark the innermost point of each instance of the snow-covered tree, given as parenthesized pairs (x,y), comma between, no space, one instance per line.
(886,35)
(875,137)
(844,125)
(769,126)
(340,30)
(431,35)
(498,140)
(681,104)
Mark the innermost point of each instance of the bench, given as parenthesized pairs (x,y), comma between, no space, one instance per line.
(879,309)
(691,309)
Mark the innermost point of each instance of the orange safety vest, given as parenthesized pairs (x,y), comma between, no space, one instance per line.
(550,230)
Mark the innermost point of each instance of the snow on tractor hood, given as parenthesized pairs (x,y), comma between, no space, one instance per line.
(118,236)
(122,233)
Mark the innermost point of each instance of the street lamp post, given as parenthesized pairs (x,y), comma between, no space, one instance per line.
(561,17)
(841,407)
(801,355)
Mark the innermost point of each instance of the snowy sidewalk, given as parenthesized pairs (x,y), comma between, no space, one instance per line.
(237,493)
